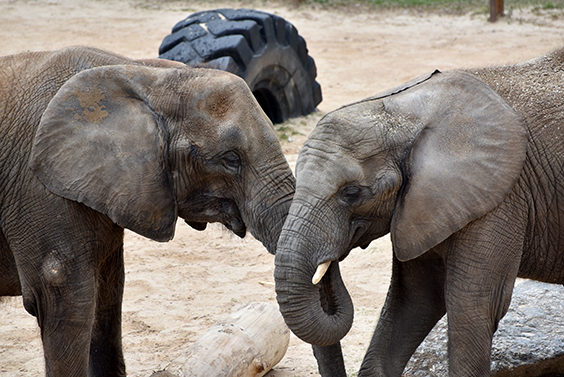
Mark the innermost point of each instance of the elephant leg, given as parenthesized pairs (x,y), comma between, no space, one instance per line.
(9,280)
(414,304)
(63,300)
(60,266)
(106,354)
(330,360)
(479,284)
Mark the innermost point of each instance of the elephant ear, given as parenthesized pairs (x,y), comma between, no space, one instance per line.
(464,162)
(99,143)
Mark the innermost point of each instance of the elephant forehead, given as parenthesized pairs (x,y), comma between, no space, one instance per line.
(361,129)
(229,104)
(249,129)
(217,104)
(223,94)
(227,114)
(322,169)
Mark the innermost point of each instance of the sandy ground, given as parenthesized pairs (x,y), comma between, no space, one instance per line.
(176,291)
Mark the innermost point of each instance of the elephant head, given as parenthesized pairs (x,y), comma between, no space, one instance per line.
(145,145)
(420,162)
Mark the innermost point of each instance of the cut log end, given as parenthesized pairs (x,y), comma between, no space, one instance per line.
(249,343)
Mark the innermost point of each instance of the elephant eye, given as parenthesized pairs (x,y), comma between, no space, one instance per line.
(351,194)
(231,161)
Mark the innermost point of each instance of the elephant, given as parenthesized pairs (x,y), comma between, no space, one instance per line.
(464,170)
(91,143)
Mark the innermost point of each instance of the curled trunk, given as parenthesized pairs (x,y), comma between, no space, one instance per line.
(319,314)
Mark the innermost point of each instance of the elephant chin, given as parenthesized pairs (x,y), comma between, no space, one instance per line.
(237,226)
(197,225)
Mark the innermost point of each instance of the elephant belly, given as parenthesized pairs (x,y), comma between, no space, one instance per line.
(543,264)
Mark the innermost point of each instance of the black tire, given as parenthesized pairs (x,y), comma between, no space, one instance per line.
(262,48)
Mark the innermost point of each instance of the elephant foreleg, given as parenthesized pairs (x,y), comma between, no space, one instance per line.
(106,354)
(478,292)
(414,304)
(9,280)
(63,300)
(330,360)
(68,270)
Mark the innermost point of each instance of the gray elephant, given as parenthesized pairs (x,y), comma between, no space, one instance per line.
(465,170)
(92,143)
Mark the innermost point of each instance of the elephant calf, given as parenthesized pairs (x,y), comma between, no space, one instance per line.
(92,143)
(465,169)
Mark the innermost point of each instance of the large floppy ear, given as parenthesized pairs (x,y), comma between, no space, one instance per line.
(464,162)
(99,143)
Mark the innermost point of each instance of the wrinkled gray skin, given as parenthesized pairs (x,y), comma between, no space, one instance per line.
(86,152)
(465,170)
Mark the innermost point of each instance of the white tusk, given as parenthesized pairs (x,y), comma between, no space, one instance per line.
(321,270)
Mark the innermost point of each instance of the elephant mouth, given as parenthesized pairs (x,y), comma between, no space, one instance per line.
(236,225)
(225,211)
(358,239)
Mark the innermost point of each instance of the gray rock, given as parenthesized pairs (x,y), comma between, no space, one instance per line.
(529,340)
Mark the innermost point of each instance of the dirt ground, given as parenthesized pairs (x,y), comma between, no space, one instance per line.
(176,291)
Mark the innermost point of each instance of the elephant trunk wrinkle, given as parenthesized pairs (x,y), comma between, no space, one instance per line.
(321,315)
(268,220)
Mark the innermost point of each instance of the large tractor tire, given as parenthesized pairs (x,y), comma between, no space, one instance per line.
(262,48)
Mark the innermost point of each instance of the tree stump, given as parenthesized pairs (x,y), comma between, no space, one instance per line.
(249,343)
(496,9)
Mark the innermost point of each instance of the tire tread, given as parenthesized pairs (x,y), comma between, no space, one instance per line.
(232,38)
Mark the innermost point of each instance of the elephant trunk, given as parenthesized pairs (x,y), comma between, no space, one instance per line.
(269,208)
(320,314)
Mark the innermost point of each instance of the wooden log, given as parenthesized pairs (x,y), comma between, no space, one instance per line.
(248,343)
